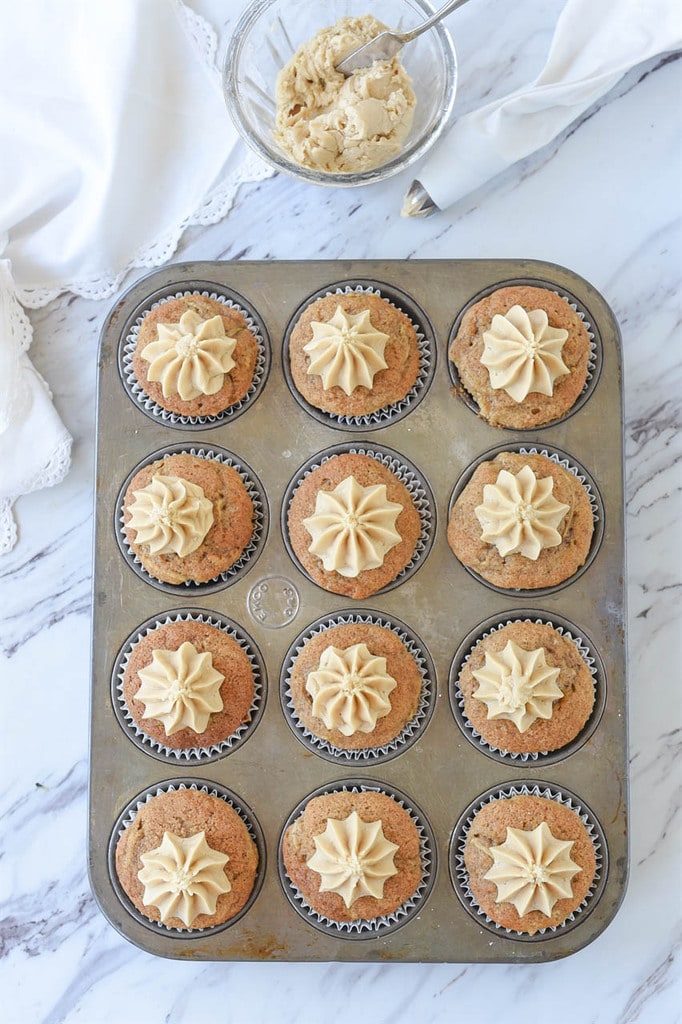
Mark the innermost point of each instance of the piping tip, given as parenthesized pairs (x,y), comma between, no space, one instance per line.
(417,202)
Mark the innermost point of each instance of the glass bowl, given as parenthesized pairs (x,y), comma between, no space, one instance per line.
(269,33)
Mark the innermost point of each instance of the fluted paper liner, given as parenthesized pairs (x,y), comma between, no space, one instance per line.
(367,928)
(254,489)
(427,359)
(585,649)
(412,729)
(135,389)
(127,817)
(460,876)
(198,754)
(594,361)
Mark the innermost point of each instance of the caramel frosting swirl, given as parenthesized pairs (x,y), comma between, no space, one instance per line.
(180,689)
(183,877)
(522,353)
(170,515)
(190,358)
(346,351)
(517,685)
(532,869)
(353,527)
(350,689)
(353,858)
(519,513)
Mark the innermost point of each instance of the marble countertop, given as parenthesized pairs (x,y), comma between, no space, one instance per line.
(604,201)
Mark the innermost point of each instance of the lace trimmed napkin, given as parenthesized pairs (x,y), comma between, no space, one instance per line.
(114,138)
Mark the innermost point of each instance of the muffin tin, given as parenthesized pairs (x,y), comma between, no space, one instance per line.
(444,771)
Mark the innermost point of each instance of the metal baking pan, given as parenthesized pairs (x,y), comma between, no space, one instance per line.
(443,771)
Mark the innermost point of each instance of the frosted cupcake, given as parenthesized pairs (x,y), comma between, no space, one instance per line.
(187,518)
(353,353)
(526,689)
(353,525)
(187,860)
(522,353)
(195,356)
(530,862)
(188,687)
(523,521)
(355,686)
(353,856)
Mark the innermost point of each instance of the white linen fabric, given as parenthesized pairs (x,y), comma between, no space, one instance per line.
(114,138)
(594,44)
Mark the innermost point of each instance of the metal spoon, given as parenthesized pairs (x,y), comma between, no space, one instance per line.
(388,43)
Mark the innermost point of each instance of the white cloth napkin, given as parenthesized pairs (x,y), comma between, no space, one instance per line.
(114,137)
(595,43)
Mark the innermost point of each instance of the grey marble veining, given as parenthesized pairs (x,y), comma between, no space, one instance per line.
(604,201)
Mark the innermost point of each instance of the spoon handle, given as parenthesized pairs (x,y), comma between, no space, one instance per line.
(425,25)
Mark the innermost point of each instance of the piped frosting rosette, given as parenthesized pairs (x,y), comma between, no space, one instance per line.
(412,729)
(173,857)
(135,390)
(347,842)
(566,629)
(197,754)
(507,364)
(256,493)
(425,344)
(533,868)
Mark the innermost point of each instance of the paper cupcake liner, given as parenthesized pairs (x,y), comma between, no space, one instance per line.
(135,389)
(427,358)
(585,649)
(410,732)
(460,876)
(594,361)
(198,754)
(569,463)
(401,467)
(244,563)
(366,928)
(127,817)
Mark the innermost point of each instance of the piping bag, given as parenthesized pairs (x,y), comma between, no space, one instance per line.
(595,43)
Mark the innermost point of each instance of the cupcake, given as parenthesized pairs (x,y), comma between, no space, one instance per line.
(353,353)
(530,862)
(187,518)
(355,686)
(353,856)
(187,684)
(353,525)
(522,521)
(526,688)
(187,860)
(194,355)
(522,353)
